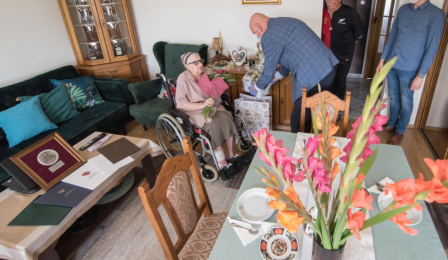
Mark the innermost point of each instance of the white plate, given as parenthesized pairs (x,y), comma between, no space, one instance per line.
(253,206)
(414,215)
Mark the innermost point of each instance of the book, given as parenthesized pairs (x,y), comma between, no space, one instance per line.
(64,194)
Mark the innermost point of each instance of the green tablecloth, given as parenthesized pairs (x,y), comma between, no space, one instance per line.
(390,242)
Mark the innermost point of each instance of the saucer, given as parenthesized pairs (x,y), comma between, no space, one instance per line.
(414,215)
(278,243)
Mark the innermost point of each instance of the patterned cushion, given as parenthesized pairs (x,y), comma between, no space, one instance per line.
(179,194)
(330,111)
(200,244)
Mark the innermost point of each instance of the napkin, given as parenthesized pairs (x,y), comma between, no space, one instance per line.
(245,236)
(374,189)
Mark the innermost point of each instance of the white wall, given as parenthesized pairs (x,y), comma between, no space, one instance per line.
(417,94)
(438,114)
(33,39)
(198,21)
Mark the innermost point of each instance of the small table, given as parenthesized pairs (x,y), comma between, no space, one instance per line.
(389,241)
(33,242)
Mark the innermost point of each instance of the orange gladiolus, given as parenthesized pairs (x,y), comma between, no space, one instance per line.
(355,222)
(438,193)
(273,178)
(273,193)
(335,153)
(403,191)
(332,141)
(318,121)
(275,204)
(290,220)
(361,199)
(333,130)
(291,193)
(439,168)
(334,171)
(401,220)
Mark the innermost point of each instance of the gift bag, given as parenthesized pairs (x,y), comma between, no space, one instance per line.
(256,111)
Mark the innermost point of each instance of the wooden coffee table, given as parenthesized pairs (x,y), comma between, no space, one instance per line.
(34,242)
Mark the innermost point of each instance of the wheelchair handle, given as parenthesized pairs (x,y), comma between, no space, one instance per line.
(160,75)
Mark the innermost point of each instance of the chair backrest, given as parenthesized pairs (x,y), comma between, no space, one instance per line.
(174,191)
(336,103)
(168,56)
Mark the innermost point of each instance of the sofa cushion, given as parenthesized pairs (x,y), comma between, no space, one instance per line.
(148,112)
(82,90)
(57,104)
(24,121)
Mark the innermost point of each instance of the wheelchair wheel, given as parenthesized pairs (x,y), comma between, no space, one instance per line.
(170,134)
(210,173)
(244,144)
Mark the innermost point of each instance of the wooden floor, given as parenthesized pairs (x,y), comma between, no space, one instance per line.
(414,146)
(438,140)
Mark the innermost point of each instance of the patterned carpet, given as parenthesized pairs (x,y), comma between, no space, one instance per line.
(439,215)
(359,88)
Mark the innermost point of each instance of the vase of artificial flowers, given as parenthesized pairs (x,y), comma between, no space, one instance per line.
(342,208)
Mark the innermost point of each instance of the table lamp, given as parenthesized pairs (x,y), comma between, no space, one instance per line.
(215,47)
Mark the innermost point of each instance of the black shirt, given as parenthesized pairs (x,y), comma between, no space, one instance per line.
(346,29)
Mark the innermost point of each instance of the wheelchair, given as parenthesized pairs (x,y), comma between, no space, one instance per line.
(173,126)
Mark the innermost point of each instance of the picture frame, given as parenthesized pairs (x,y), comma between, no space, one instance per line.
(247,2)
(48,161)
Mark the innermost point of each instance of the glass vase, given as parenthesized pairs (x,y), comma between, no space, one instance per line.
(320,253)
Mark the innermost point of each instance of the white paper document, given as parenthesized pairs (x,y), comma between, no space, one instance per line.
(102,164)
(86,176)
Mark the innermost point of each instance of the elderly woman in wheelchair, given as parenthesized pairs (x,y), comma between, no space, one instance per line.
(191,99)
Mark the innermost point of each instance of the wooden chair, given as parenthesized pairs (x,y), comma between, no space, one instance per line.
(174,191)
(336,106)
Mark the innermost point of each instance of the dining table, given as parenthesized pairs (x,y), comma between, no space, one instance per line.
(388,239)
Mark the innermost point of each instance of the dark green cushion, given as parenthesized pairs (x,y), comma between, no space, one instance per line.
(148,112)
(82,90)
(57,104)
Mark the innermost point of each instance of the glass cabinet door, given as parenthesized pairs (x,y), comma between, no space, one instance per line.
(88,35)
(117,35)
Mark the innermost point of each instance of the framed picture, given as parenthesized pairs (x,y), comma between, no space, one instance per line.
(48,161)
(246,2)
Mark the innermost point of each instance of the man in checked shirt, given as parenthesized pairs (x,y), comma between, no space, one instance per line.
(414,38)
(292,44)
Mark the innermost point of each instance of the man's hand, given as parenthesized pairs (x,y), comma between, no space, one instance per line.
(380,65)
(252,90)
(416,83)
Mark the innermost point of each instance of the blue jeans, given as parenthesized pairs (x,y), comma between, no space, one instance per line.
(401,98)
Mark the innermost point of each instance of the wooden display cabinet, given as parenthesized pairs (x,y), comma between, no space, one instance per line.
(281,93)
(103,37)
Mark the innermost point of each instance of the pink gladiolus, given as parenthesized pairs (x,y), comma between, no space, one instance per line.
(263,158)
(379,122)
(347,149)
(323,187)
(312,144)
(262,133)
(289,169)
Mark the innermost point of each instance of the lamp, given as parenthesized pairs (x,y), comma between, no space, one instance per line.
(215,47)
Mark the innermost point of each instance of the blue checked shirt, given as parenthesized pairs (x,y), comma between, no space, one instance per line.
(415,37)
(292,44)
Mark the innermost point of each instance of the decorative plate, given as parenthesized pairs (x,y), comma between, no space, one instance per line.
(415,216)
(253,206)
(278,243)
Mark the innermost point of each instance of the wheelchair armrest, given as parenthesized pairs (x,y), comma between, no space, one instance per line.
(188,127)
(227,103)
(145,91)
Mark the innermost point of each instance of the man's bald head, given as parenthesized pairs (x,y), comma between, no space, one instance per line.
(258,24)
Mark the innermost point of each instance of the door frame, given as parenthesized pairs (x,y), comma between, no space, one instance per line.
(432,78)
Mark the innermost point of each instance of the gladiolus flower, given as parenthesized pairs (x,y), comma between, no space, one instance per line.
(333,130)
(361,199)
(438,193)
(335,153)
(273,193)
(334,171)
(312,144)
(439,168)
(290,220)
(402,221)
(379,122)
(291,194)
(403,192)
(275,204)
(262,133)
(355,222)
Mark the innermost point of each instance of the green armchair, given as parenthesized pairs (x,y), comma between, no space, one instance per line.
(148,106)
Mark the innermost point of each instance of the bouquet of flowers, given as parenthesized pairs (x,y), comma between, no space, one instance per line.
(215,85)
(337,219)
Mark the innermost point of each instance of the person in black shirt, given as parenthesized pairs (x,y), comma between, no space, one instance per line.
(346,29)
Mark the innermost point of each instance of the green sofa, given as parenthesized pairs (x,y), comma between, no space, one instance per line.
(148,106)
(110,116)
